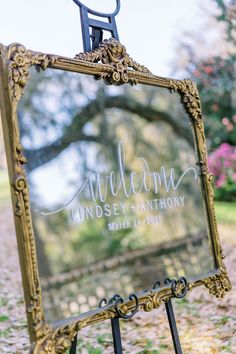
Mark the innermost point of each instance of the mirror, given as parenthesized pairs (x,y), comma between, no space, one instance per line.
(115,191)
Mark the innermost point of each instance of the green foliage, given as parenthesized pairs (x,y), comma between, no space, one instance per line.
(93,236)
(215,74)
(227,15)
(105,339)
(85,344)
(92,350)
(6,332)
(4,318)
(227,192)
(226,212)
(215,78)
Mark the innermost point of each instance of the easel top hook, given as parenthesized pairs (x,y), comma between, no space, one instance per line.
(96,13)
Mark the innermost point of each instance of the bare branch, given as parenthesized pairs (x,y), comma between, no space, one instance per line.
(74,132)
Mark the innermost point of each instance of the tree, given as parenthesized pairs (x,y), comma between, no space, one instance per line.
(72,116)
(67,116)
(214,71)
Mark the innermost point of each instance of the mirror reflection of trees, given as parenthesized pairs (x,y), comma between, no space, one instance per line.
(71,127)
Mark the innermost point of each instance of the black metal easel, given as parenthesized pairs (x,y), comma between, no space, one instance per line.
(74,345)
(90,42)
(115,325)
(179,289)
(170,312)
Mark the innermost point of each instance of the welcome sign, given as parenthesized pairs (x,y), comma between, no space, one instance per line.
(114,185)
(111,189)
(108,206)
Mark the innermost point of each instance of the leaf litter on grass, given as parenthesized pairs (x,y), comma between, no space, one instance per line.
(206,325)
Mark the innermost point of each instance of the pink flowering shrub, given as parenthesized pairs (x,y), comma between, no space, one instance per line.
(222,164)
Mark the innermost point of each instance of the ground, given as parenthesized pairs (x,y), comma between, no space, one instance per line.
(206,324)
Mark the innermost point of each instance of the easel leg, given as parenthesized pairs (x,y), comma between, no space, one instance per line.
(173,327)
(115,325)
(74,345)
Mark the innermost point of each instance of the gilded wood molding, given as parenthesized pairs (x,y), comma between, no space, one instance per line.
(111,63)
(218,284)
(113,53)
(21,60)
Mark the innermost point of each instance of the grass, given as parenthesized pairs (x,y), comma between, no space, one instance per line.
(4,318)
(226,212)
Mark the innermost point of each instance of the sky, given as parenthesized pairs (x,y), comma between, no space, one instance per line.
(149,29)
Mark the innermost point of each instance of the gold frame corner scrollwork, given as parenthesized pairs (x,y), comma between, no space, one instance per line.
(111,63)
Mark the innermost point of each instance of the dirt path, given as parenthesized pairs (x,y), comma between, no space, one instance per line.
(206,324)
(13,328)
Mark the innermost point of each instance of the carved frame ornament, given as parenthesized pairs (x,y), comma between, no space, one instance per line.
(111,63)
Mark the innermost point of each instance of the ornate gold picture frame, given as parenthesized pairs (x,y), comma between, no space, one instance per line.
(111,63)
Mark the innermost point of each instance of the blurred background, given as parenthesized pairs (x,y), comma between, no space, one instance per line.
(195,39)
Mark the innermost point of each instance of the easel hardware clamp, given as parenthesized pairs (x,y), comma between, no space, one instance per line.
(179,289)
(115,325)
(91,41)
